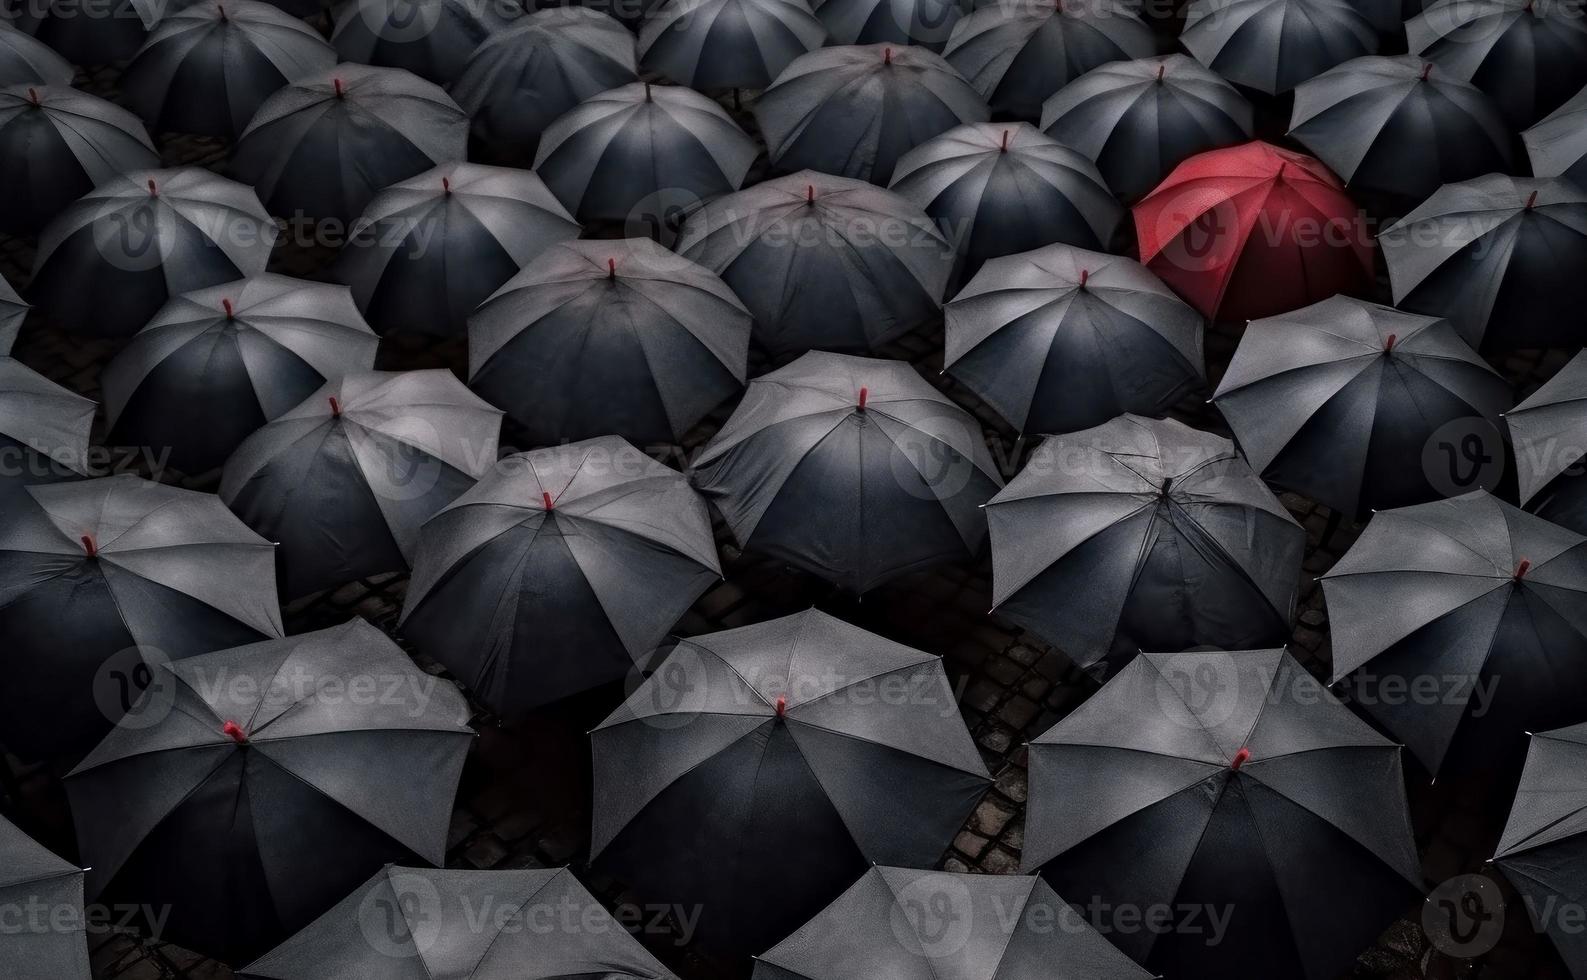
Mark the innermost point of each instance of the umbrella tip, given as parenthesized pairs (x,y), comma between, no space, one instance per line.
(1240,759)
(545,498)
(33,95)
(782,706)
(864,394)
(90,547)
(1168,485)
(1427,69)
(336,408)
(1388,345)
(647,91)
(446,185)
(336,83)
(1521,569)
(887,56)
(225,304)
(154,191)
(1084,275)
(235,733)
(1531,199)
(1005,141)
(1160,70)
(220,9)
(611,268)
(810,193)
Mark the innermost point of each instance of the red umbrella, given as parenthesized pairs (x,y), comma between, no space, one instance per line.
(1252,231)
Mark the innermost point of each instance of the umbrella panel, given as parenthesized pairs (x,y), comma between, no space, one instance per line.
(1564,500)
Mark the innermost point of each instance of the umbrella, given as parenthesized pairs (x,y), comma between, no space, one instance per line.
(431,248)
(431,38)
(1061,339)
(45,936)
(1486,599)
(853,111)
(1140,119)
(558,571)
(851,468)
(1342,400)
(24,60)
(776,744)
(252,788)
(1274,45)
(1016,55)
(823,261)
(43,432)
(610,153)
(619,337)
(714,45)
(104,579)
(1550,434)
(1253,230)
(996,189)
(1557,144)
(57,144)
(142,238)
(1497,256)
(1232,782)
(209,66)
(89,32)
(532,71)
(1142,534)
(216,364)
(344,480)
(419,923)
(926,23)
(325,145)
(1531,57)
(13,312)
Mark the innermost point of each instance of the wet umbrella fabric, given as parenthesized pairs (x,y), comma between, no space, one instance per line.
(925,23)
(1531,57)
(1338,401)
(1232,781)
(344,480)
(1274,45)
(558,572)
(25,60)
(715,45)
(250,790)
(216,364)
(1061,339)
(1143,534)
(851,468)
(54,947)
(44,432)
(1549,430)
(1557,144)
(91,32)
(435,246)
(13,312)
(431,38)
(768,741)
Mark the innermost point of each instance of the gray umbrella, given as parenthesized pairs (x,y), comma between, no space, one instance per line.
(1061,339)
(46,936)
(1143,534)
(431,38)
(142,238)
(344,481)
(1531,57)
(43,432)
(13,312)
(1550,434)
(926,23)
(851,468)
(853,111)
(621,337)
(325,145)
(428,250)
(210,64)
(1274,45)
(57,144)
(1341,401)
(25,60)
(216,364)
(823,262)
(558,571)
(89,32)
(714,45)
(1557,144)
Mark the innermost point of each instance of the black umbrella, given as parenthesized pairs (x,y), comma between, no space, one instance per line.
(1061,339)
(45,934)
(1341,401)
(343,481)
(619,337)
(1274,45)
(1557,144)
(851,468)
(252,788)
(105,578)
(926,23)
(13,311)
(1531,57)
(89,32)
(44,431)
(25,60)
(1234,791)
(558,571)
(805,748)
(431,38)
(1142,534)
(715,45)
(216,364)
(823,262)
(853,111)
(325,145)
(210,65)
(142,238)
(428,250)
(1550,434)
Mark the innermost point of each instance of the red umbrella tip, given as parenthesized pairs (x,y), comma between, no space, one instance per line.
(1160,70)
(1084,275)
(446,185)
(545,498)
(887,56)
(1521,569)
(1427,69)
(1388,345)
(153,190)
(810,193)
(864,394)
(611,268)
(90,547)
(225,304)
(336,408)
(1240,758)
(1005,141)
(336,83)
(1531,199)
(782,706)
(235,733)
(33,95)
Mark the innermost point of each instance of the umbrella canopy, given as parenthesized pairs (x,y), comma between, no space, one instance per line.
(996,189)
(1550,434)
(252,788)
(851,468)
(607,155)
(1226,781)
(1143,534)
(1557,144)
(1494,256)
(853,111)
(1252,231)
(774,742)
(713,45)
(1531,57)
(49,942)
(926,23)
(558,571)
(1274,45)
(142,238)
(216,364)
(431,38)
(89,32)
(428,250)
(25,60)
(1480,595)
(1338,401)
(823,262)
(102,580)
(209,65)
(57,144)
(1140,119)
(325,145)
(1061,339)
(13,312)
(44,432)
(419,924)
